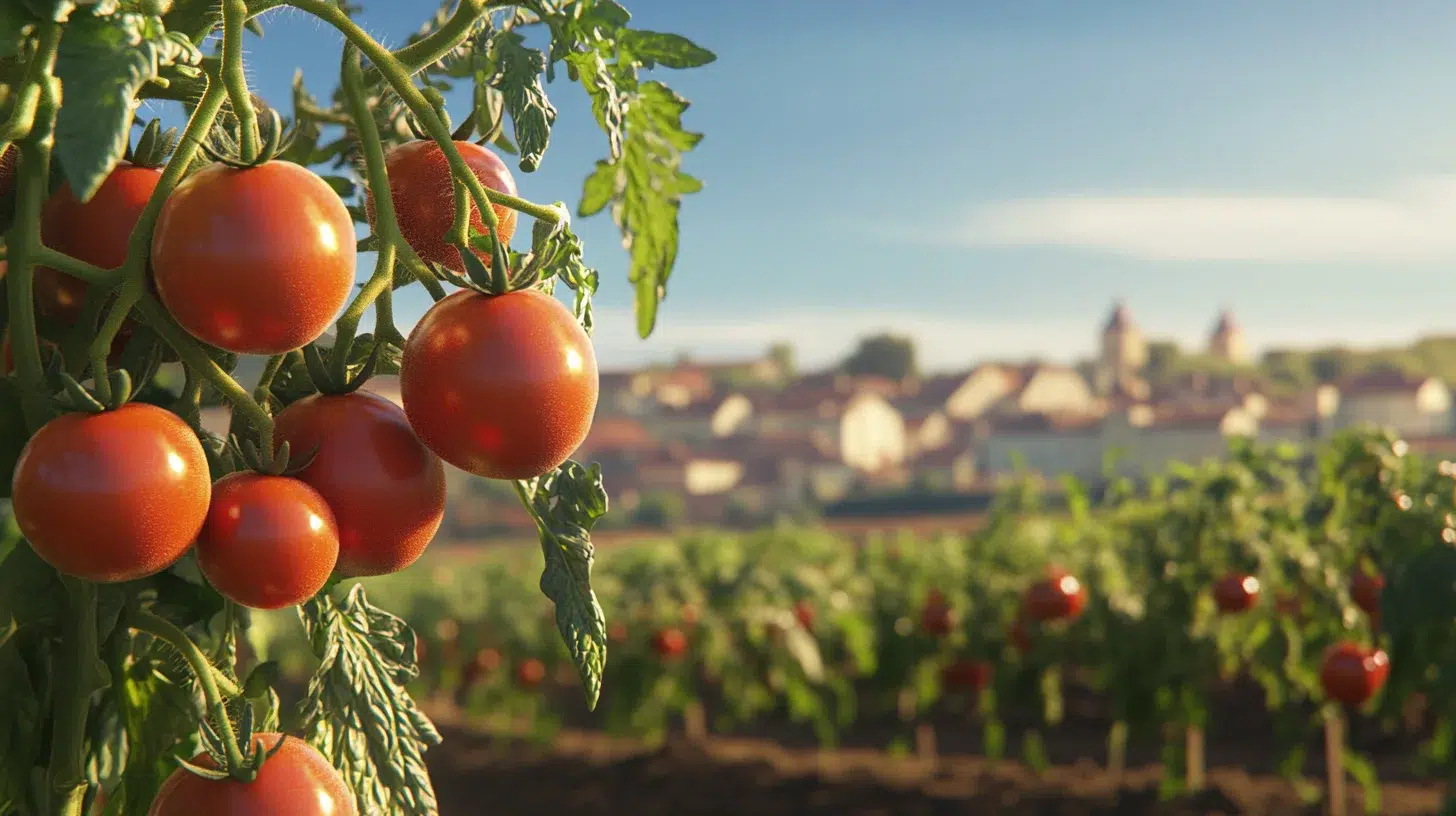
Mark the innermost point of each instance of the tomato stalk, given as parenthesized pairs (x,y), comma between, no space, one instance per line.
(441,41)
(24,240)
(78,677)
(36,93)
(207,678)
(234,15)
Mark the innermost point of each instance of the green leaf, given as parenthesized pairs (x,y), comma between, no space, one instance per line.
(599,190)
(55,10)
(518,78)
(357,711)
(13,433)
(668,50)
(15,26)
(159,709)
(102,63)
(567,503)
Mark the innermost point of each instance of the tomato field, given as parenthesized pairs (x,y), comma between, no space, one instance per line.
(140,264)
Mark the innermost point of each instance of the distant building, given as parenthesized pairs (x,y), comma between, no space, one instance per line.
(1227,342)
(1123,353)
(1411,405)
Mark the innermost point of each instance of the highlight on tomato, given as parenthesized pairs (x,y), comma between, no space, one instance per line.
(501,386)
(386,489)
(423,193)
(1235,593)
(297,780)
(269,541)
(1058,596)
(275,277)
(112,496)
(1352,673)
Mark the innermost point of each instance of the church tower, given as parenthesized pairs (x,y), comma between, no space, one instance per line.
(1227,340)
(1124,351)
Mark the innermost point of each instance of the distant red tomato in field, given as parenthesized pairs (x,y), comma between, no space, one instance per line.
(966,676)
(1058,596)
(482,665)
(1235,593)
(530,672)
(669,643)
(1365,590)
(1352,674)
(804,614)
(936,618)
(1020,638)
(617,632)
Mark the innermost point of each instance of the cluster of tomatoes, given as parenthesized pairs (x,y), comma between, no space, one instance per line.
(259,259)
(1350,672)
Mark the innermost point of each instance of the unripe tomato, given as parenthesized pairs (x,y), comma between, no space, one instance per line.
(269,541)
(1351,673)
(966,676)
(935,618)
(97,232)
(1236,593)
(1058,596)
(386,489)
(530,672)
(669,643)
(255,261)
(114,496)
(500,386)
(1365,590)
(296,781)
(423,192)
(804,614)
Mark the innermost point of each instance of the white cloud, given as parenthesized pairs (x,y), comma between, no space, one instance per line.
(1409,222)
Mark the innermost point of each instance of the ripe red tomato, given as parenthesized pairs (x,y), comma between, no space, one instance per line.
(387,490)
(935,618)
(669,643)
(255,261)
(966,675)
(530,672)
(1365,589)
(113,496)
(296,781)
(1236,593)
(503,387)
(1019,637)
(485,662)
(421,188)
(269,541)
(1351,673)
(1058,596)
(804,614)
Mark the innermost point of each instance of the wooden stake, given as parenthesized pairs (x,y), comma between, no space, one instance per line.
(1117,752)
(1193,752)
(1335,762)
(695,722)
(925,742)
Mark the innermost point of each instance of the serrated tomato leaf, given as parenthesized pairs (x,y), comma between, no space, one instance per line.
(567,503)
(357,712)
(102,62)
(518,78)
(652,48)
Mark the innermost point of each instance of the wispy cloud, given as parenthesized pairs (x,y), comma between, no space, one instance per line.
(1410,222)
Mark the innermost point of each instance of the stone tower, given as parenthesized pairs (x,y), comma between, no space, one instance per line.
(1124,350)
(1227,340)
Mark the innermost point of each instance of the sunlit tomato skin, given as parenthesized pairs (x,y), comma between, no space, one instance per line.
(97,232)
(423,193)
(113,496)
(966,676)
(254,261)
(1352,674)
(269,541)
(669,643)
(1058,596)
(1235,593)
(387,490)
(500,386)
(1365,590)
(530,672)
(296,781)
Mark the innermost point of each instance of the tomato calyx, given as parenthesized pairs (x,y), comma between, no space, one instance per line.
(77,397)
(553,246)
(225,148)
(154,147)
(252,760)
(279,463)
(327,378)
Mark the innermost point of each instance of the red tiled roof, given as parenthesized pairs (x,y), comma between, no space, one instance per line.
(618,433)
(1386,381)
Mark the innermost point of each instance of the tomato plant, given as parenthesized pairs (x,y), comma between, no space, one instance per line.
(135,537)
(1352,674)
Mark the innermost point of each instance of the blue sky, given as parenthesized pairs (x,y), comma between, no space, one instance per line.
(989,176)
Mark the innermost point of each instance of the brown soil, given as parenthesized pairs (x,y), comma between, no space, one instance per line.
(582,772)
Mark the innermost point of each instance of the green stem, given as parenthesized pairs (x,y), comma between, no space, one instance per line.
(133,271)
(24,241)
(234,15)
(431,49)
(190,401)
(193,357)
(271,368)
(207,677)
(31,101)
(384,328)
(76,680)
(94,276)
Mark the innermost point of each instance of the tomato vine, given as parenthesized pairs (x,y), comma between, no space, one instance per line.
(102,707)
